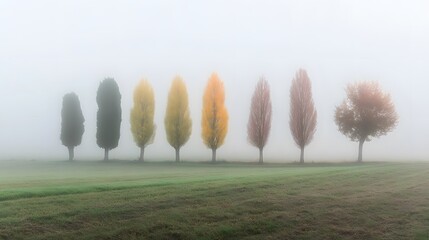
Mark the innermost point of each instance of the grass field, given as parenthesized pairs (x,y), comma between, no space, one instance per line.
(128,200)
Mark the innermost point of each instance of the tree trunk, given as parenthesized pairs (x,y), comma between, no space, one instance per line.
(261,155)
(106,154)
(213,155)
(141,159)
(71,153)
(177,155)
(301,159)
(360,150)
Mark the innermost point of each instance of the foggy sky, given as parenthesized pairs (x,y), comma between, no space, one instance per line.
(50,48)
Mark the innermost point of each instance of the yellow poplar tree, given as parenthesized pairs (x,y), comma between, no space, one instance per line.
(178,123)
(141,117)
(214,121)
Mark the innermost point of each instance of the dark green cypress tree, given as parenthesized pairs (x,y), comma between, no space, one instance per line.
(108,115)
(72,120)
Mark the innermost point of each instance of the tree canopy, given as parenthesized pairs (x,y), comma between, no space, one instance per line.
(109,115)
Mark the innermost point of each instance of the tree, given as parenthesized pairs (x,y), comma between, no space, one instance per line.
(141,116)
(259,124)
(366,112)
(303,115)
(214,120)
(178,123)
(72,127)
(108,116)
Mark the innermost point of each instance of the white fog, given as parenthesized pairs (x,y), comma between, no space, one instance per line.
(50,48)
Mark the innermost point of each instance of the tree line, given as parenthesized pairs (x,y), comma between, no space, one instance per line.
(366,112)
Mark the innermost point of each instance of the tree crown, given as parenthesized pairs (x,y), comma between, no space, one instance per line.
(366,112)
(178,123)
(303,115)
(214,114)
(72,124)
(109,114)
(259,124)
(142,114)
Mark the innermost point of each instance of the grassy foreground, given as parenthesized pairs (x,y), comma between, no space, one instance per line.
(128,200)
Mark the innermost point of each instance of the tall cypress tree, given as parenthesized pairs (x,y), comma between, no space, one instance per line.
(108,115)
(72,120)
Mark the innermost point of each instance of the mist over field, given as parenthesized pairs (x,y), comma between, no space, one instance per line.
(50,48)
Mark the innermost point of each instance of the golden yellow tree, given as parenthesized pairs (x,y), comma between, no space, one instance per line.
(178,123)
(141,117)
(214,121)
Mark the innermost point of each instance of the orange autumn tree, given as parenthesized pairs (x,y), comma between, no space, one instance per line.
(214,120)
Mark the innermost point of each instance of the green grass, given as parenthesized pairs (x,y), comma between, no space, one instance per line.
(128,200)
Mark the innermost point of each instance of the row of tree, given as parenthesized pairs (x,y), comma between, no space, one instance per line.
(366,112)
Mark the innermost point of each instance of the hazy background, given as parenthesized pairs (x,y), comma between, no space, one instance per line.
(50,48)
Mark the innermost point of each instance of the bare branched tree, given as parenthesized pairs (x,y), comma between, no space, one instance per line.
(366,112)
(303,115)
(259,125)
